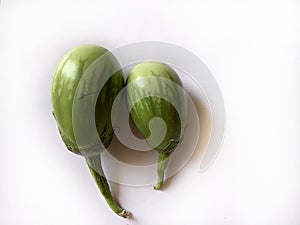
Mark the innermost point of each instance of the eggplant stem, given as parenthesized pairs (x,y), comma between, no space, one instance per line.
(163,159)
(95,167)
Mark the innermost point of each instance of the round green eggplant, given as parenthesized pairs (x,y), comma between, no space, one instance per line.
(85,85)
(154,90)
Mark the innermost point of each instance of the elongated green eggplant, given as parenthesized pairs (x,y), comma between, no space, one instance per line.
(154,90)
(84,87)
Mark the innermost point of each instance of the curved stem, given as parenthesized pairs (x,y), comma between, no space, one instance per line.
(163,159)
(94,164)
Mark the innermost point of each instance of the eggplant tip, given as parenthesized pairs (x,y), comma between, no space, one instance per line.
(158,186)
(125,214)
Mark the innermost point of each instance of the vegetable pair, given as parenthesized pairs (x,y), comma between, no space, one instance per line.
(85,85)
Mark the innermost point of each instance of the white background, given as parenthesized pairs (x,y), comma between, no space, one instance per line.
(251,47)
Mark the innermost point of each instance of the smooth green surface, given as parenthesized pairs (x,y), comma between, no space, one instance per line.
(154,105)
(77,80)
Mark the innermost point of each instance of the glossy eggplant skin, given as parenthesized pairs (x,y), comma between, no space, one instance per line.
(70,86)
(155,90)
(154,80)
(85,85)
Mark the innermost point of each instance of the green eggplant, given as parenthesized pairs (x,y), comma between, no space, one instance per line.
(85,85)
(154,90)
